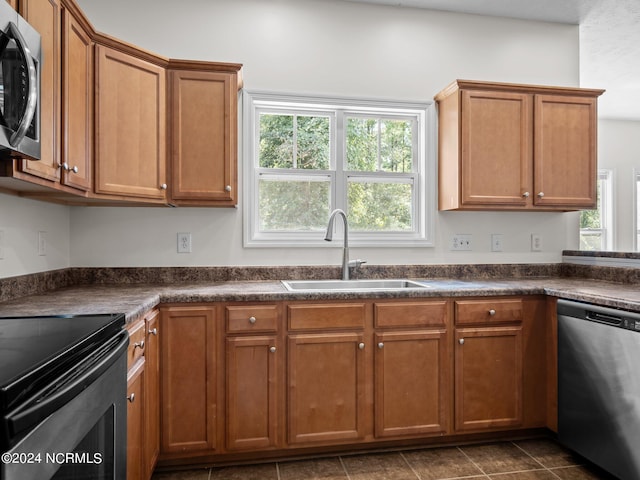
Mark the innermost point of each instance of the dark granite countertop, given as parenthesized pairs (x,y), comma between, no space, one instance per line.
(135,300)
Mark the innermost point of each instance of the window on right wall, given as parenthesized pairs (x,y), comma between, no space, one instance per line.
(596,226)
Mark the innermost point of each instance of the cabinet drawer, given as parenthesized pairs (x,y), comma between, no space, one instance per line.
(471,312)
(321,316)
(136,342)
(410,314)
(257,318)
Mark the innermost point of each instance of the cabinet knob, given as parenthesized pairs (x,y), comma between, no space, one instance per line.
(139,345)
(163,186)
(272,349)
(131,398)
(541,194)
(154,331)
(381,345)
(461,341)
(252,320)
(361,346)
(227,188)
(526,194)
(492,312)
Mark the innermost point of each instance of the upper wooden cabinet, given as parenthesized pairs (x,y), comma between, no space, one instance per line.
(130,126)
(203,133)
(513,147)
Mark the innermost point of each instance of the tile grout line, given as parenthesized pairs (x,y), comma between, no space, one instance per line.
(410,466)
(534,459)
(474,463)
(344,467)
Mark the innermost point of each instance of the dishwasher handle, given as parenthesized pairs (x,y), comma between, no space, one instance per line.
(605,318)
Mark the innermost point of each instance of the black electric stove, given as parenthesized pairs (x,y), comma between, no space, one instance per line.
(35,351)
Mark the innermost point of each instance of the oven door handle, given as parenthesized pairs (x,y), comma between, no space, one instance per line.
(32,96)
(43,405)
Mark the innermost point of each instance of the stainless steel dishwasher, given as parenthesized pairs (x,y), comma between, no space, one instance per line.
(599,385)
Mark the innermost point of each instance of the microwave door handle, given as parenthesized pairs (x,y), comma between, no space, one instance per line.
(32,97)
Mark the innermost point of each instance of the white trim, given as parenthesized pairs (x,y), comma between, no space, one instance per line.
(601,261)
(636,211)
(423,178)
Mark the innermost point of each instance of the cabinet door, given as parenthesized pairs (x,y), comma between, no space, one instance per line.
(44,16)
(488,378)
(252,392)
(565,151)
(135,420)
(130,126)
(326,388)
(152,392)
(412,371)
(496,148)
(188,405)
(203,138)
(77,104)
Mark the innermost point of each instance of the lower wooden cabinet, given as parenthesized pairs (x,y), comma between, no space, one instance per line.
(189,379)
(152,392)
(135,421)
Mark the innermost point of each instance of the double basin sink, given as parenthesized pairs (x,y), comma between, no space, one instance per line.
(351,285)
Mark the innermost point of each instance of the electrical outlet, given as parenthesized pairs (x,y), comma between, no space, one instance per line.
(1,244)
(42,243)
(461,241)
(536,242)
(184,242)
(496,242)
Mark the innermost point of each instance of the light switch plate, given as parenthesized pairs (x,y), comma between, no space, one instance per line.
(461,242)
(497,240)
(536,242)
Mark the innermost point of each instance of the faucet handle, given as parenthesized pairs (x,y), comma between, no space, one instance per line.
(356,263)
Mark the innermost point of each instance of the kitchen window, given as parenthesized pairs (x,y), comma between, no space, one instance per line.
(596,226)
(305,156)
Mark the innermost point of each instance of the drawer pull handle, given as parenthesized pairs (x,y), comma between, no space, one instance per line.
(139,345)
(252,320)
(492,312)
(131,398)
(154,331)
(381,345)
(361,346)
(273,349)
(461,341)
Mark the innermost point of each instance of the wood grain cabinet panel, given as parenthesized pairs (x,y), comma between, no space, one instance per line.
(516,147)
(252,390)
(203,125)
(152,392)
(189,379)
(135,421)
(326,388)
(130,126)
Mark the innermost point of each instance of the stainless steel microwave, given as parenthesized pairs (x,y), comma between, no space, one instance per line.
(20,59)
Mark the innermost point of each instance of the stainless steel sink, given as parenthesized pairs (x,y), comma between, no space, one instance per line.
(351,285)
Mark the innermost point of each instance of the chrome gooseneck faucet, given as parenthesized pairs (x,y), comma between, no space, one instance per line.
(345,248)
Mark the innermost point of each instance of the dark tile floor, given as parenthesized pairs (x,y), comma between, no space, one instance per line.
(522,460)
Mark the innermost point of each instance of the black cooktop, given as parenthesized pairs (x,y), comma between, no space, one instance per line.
(35,349)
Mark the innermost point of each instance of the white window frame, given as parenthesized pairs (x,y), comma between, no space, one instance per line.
(636,209)
(423,178)
(605,179)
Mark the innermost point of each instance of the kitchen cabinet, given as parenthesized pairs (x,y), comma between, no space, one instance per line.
(499,364)
(13,3)
(326,367)
(516,147)
(151,442)
(203,123)
(189,405)
(136,378)
(412,369)
(66,102)
(254,360)
(130,151)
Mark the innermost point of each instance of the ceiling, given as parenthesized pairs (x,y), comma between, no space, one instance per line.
(609,40)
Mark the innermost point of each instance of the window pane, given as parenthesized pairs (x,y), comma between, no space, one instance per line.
(362,144)
(276,141)
(396,146)
(380,206)
(313,142)
(296,204)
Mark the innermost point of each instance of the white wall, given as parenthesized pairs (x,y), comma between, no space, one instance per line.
(328,47)
(20,222)
(619,151)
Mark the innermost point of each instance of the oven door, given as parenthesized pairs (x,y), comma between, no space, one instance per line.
(84,438)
